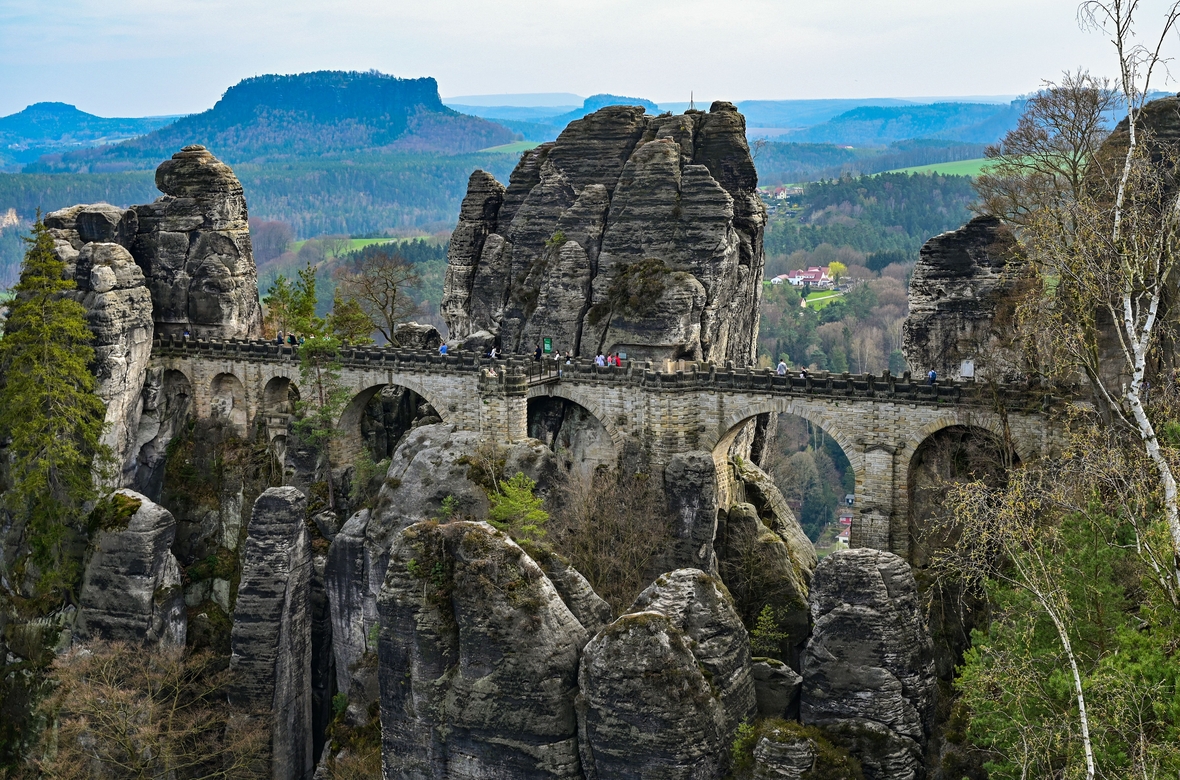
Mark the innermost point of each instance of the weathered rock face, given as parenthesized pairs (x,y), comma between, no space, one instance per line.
(690,485)
(271,639)
(868,671)
(119,312)
(679,664)
(629,233)
(414,335)
(194,247)
(87,238)
(766,559)
(431,464)
(962,299)
(131,591)
(777,687)
(478,660)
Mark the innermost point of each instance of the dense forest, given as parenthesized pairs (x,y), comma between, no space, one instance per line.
(890,211)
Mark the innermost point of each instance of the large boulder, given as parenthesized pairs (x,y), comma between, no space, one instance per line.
(678,662)
(868,671)
(131,590)
(628,233)
(271,636)
(963,297)
(478,659)
(194,246)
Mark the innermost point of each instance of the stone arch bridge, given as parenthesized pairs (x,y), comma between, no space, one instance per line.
(878,421)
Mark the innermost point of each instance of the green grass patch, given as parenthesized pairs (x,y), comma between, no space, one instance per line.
(959,168)
(821,298)
(359,243)
(516,147)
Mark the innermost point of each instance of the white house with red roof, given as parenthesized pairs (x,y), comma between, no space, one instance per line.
(818,278)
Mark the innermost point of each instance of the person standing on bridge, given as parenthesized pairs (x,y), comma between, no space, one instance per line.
(279,338)
(782,368)
(442,349)
(931,377)
(600,361)
(537,353)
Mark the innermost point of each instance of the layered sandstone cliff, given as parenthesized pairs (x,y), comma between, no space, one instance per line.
(629,233)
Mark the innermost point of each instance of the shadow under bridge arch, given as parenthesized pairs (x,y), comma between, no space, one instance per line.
(575,428)
(811,460)
(378,417)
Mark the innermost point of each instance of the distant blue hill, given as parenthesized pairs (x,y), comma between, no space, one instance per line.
(47,128)
(283,117)
(979,123)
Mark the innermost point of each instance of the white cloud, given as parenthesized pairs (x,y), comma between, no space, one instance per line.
(136,57)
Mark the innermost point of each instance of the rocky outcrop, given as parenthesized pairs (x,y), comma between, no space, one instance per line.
(588,607)
(679,663)
(962,303)
(193,245)
(629,233)
(433,464)
(868,671)
(690,486)
(90,240)
(131,590)
(119,313)
(271,639)
(785,750)
(415,335)
(478,659)
(776,687)
(766,560)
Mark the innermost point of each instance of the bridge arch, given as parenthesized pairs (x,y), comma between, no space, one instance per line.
(720,441)
(585,399)
(228,401)
(352,438)
(578,435)
(950,454)
(721,445)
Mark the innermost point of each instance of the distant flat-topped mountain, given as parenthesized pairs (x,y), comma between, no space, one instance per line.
(47,128)
(268,118)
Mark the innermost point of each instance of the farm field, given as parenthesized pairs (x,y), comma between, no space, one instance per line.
(959,168)
(358,243)
(516,147)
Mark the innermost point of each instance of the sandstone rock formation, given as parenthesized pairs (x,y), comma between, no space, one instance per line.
(271,639)
(194,247)
(131,591)
(766,559)
(478,659)
(119,312)
(629,233)
(690,485)
(776,687)
(432,464)
(868,671)
(962,302)
(679,663)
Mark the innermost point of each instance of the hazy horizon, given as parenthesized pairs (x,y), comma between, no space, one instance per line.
(144,59)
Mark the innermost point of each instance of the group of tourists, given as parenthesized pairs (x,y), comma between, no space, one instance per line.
(291,339)
(611,360)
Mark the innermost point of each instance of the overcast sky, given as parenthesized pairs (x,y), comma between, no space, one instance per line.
(147,57)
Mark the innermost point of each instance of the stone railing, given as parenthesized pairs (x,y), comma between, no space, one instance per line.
(679,376)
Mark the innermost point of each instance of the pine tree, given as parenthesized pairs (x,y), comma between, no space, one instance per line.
(49,412)
(349,322)
(319,368)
